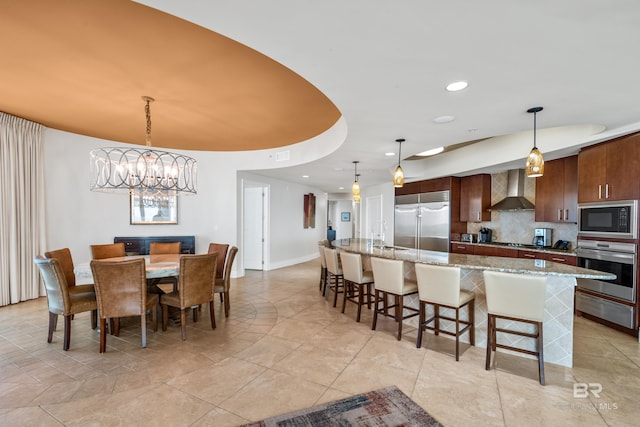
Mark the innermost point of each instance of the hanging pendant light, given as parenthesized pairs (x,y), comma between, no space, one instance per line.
(398,174)
(535,162)
(142,170)
(355,188)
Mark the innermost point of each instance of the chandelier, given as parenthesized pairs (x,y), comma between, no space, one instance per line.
(142,170)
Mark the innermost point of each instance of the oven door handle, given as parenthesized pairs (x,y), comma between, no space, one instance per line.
(624,258)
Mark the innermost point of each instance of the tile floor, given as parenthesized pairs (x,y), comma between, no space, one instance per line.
(284,348)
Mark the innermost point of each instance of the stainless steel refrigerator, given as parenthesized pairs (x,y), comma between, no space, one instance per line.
(421,221)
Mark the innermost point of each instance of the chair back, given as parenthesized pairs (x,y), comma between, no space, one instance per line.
(157,248)
(121,287)
(515,295)
(331,257)
(66,263)
(323,259)
(388,274)
(352,267)
(55,284)
(220,249)
(111,250)
(196,279)
(438,284)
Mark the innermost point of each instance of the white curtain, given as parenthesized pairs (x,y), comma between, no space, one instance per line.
(22,223)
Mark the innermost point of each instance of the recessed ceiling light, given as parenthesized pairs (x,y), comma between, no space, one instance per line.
(340,188)
(389,154)
(443,119)
(456,86)
(431,152)
(305,176)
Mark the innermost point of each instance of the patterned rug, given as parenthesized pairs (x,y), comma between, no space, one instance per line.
(385,407)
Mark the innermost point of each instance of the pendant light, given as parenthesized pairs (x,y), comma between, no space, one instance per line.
(355,188)
(535,162)
(398,174)
(142,170)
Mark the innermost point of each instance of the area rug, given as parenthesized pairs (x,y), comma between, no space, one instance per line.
(385,407)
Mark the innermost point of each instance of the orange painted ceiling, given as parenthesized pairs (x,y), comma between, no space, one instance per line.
(82,66)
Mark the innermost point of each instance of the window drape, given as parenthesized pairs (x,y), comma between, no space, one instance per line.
(22,219)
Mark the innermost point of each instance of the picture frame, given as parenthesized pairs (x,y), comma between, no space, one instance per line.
(156,209)
(345,216)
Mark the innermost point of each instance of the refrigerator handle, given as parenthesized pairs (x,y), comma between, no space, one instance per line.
(416,242)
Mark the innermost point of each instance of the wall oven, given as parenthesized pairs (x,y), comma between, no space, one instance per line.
(612,257)
(615,220)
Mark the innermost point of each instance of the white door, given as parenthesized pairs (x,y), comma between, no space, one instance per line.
(253,248)
(374,226)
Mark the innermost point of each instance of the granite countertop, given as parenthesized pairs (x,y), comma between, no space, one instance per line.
(480,262)
(521,248)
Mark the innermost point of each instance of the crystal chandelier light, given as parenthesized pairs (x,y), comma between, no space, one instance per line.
(142,170)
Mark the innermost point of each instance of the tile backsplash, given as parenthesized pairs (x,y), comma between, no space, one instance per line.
(518,226)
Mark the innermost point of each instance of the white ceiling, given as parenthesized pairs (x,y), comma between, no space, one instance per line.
(385,65)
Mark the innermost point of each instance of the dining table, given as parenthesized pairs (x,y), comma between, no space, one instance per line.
(157,267)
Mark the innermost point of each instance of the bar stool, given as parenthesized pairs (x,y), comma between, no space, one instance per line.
(519,298)
(389,280)
(323,269)
(357,282)
(335,272)
(440,286)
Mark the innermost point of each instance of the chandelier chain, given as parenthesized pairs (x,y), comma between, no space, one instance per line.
(147,111)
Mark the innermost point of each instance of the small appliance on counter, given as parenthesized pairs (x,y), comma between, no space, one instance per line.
(484,236)
(469,238)
(542,237)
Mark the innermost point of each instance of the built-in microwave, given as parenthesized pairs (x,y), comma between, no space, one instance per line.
(614,220)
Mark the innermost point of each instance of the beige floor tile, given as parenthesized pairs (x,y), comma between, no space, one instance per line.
(272,393)
(284,347)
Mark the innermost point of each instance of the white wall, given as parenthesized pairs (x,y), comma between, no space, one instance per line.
(289,242)
(387,192)
(344,230)
(77,217)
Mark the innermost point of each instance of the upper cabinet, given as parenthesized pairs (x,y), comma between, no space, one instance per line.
(475,198)
(610,171)
(557,191)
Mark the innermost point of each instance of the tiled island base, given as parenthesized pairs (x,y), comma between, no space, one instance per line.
(558,316)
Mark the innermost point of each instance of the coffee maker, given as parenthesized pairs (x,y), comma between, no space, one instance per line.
(484,236)
(542,237)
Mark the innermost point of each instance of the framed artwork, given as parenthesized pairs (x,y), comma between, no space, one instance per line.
(153,209)
(345,216)
(309,219)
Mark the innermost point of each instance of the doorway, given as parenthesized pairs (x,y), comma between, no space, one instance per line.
(255,197)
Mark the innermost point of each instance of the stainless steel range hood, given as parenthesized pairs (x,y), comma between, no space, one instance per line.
(515,200)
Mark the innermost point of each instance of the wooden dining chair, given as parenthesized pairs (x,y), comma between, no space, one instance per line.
(110,250)
(121,291)
(223,284)
(195,287)
(61,301)
(66,263)
(157,248)
(221,249)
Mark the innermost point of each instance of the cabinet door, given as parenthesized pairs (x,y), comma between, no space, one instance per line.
(561,258)
(532,254)
(475,198)
(623,169)
(496,251)
(592,164)
(570,203)
(549,193)
(462,248)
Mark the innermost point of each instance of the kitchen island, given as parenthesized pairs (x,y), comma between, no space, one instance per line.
(558,321)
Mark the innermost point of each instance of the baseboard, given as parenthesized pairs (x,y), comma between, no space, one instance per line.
(292,261)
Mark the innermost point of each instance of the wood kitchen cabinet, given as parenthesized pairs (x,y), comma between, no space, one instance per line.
(557,191)
(496,251)
(555,257)
(610,171)
(462,248)
(475,198)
